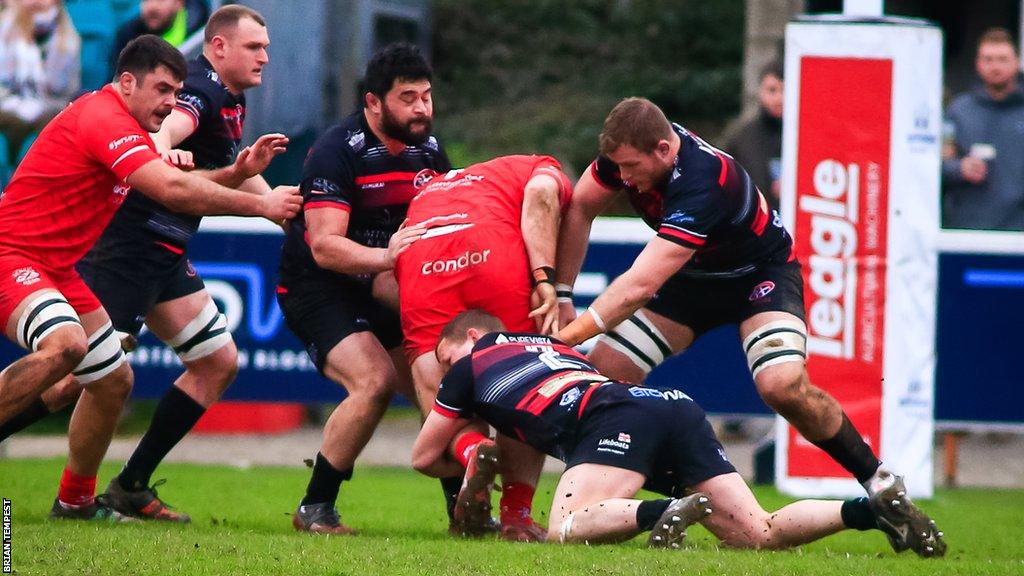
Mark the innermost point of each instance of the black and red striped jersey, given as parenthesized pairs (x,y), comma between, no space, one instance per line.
(708,203)
(527,386)
(351,170)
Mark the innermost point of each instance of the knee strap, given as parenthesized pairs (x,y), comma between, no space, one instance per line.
(639,340)
(44,314)
(775,343)
(204,335)
(104,356)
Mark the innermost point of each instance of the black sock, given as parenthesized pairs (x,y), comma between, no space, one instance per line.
(857,514)
(451,487)
(849,449)
(27,417)
(326,481)
(648,512)
(175,415)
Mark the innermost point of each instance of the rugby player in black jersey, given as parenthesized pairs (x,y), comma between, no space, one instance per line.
(720,256)
(356,185)
(615,438)
(140,272)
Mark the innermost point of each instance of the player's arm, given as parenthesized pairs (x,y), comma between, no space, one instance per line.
(174,130)
(190,194)
(589,199)
(332,250)
(429,453)
(539,225)
(658,261)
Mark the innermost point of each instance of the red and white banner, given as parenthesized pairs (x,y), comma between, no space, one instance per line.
(860,195)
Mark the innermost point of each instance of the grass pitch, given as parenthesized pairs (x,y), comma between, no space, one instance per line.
(241,525)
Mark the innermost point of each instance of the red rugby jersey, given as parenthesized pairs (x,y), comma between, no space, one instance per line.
(71,182)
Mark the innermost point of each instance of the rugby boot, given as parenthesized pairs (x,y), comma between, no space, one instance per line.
(670,529)
(99,511)
(143,504)
(906,526)
(472,513)
(320,519)
(525,530)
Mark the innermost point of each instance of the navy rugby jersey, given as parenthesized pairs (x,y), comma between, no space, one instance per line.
(218,116)
(350,169)
(708,204)
(527,386)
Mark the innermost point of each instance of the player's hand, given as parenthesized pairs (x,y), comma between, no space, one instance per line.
(566,313)
(253,160)
(281,203)
(974,170)
(181,159)
(401,240)
(544,301)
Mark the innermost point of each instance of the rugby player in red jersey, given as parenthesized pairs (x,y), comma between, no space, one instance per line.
(720,256)
(615,439)
(59,201)
(490,238)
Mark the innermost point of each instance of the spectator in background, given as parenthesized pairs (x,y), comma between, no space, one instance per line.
(39,65)
(983,159)
(172,20)
(757,143)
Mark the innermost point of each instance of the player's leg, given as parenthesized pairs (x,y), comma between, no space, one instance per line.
(54,398)
(741,522)
(107,379)
(520,467)
(632,349)
(361,365)
(194,327)
(43,322)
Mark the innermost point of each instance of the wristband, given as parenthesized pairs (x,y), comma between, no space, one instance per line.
(564,292)
(544,274)
(598,321)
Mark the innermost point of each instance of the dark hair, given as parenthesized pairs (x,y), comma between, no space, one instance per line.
(143,54)
(455,331)
(394,61)
(637,122)
(773,68)
(997,35)
(227,17)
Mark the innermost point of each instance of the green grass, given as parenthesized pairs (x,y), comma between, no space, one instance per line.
(241,526)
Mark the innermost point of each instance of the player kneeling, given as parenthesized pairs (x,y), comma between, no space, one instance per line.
(615,439)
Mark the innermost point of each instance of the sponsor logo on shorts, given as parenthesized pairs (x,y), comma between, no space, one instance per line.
(189,270)
(25,276)
(641,392)
(721,453)
(617,445)
(457,264)
(115,144)
(119,193)
(761,290)
(569,397)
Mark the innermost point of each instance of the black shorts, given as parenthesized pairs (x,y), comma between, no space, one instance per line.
(131,276)
(660,433)
(322,311)
(706,303)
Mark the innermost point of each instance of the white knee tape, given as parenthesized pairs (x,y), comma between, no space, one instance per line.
(775,343)
(44,314)
(104,355)
(204,335)
(640,341)
(566,528)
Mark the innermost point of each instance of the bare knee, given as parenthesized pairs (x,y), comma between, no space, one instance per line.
(215,372)
(116,386)
(781,386)
(375,387)
(65,348)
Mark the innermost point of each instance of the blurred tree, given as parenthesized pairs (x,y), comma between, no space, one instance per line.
(521,76)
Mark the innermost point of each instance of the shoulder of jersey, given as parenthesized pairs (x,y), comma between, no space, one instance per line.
(506,337)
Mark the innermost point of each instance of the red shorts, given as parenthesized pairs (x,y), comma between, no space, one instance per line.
(20,277)
(443,276)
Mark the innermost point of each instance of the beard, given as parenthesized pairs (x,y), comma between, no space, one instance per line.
(412,133)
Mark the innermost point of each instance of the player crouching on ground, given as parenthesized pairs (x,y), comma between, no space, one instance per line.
(615,439)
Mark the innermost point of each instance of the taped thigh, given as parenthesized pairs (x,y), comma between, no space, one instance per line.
(204,335)
(640,341)
(775,343)
(104,356)
(42,316)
